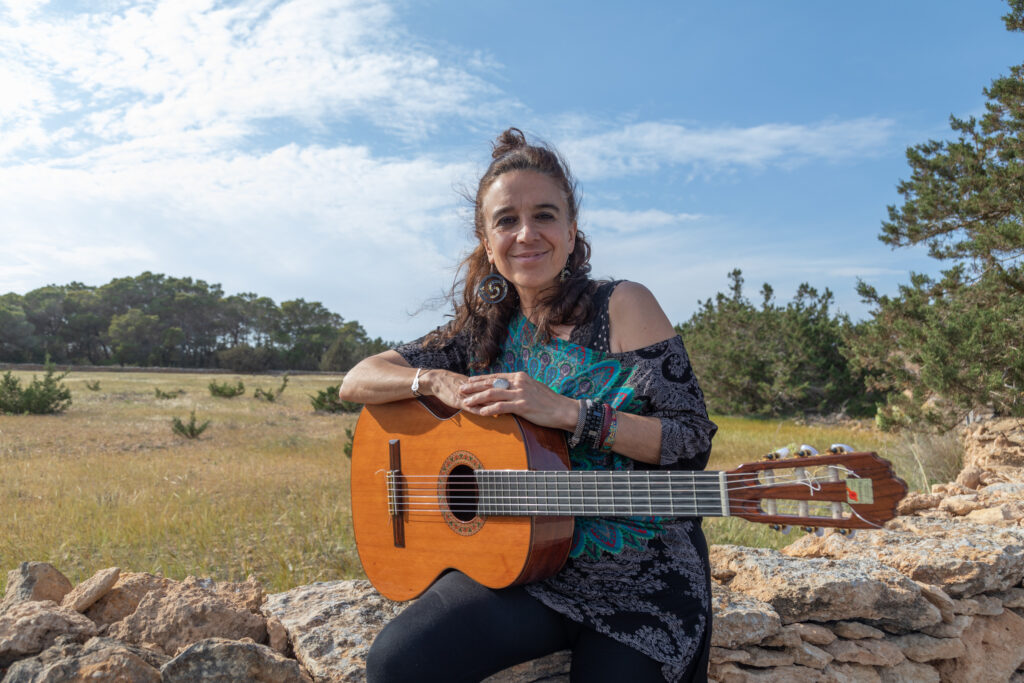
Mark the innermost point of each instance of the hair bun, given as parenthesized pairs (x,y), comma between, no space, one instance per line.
(509,141)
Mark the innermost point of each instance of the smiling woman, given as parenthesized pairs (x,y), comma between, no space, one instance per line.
(532,335)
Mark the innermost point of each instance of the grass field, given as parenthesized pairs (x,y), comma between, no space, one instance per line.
(263,492)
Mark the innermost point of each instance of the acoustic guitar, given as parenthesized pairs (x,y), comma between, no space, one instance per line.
(435,489)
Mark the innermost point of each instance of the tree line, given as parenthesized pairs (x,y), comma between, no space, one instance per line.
(155,320)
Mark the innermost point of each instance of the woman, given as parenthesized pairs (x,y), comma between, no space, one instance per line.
(533,335)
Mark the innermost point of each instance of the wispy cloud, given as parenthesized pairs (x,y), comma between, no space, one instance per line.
(649,146)
(618,221)
(172,72)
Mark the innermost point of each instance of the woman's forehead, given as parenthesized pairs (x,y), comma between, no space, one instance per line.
(519,187)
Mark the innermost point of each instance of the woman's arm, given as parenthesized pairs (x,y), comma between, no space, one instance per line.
(388,377)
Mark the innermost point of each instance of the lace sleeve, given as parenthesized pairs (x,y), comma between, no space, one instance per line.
(451,355)
(667,389)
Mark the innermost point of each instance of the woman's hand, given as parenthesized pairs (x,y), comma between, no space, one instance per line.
(525,397)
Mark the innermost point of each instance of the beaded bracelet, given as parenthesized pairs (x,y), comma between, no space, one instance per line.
(577,435)
(613,429)
(595,420)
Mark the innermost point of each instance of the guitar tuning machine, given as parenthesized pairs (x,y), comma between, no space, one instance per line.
(806,451)
(847,532)
(777,454)
(783,529)
(817,531)
(840,448)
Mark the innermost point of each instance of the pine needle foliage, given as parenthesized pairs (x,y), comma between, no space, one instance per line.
(45,396)
(191,429)
(226,389)
(272,395)
(329,401)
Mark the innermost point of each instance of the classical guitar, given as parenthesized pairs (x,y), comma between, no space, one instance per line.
(434,489)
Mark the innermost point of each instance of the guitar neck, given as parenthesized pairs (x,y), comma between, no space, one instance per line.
(511,493)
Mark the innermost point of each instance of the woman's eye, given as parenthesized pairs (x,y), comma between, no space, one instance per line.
(506,221)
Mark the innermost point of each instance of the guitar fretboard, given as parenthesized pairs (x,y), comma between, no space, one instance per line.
(513,493)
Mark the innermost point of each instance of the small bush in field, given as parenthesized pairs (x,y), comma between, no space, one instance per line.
(226,390)
(93,386)
(174,393)
(347,448)
(44,396)
(191,429)
(328,401)
(273,394)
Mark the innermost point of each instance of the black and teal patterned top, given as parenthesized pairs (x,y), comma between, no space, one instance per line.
(641,580)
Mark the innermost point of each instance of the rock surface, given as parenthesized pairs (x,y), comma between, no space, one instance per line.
(34,581)
(223,660)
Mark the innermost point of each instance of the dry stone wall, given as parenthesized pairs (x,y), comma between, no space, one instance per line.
(935,596)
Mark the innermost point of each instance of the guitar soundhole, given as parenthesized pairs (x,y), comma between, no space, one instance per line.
(462,494)
(457,488)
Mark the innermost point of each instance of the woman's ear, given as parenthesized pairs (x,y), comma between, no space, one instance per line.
(572,237)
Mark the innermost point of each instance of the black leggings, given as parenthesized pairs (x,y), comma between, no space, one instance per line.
(461,631)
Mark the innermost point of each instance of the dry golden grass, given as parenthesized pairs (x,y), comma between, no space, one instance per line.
(263,492)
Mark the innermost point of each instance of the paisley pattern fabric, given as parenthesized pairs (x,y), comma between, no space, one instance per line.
(643,581)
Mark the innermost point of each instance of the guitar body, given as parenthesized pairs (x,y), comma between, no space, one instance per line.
(433,537)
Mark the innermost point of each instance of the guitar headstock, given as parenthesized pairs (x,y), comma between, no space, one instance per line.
(841,489)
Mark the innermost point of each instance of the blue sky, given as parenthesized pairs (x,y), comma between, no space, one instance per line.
(316,148)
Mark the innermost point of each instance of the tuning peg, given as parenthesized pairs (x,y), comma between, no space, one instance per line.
(783,529)
(806,451)
(778,453)
(847,532)
(838,448)
(819,532)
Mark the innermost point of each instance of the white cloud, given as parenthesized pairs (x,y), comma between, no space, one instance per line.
(649,146)
(634,221)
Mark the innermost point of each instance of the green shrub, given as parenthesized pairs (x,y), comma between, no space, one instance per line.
(44,396)
(93,386)
(174,393)
(190,429)
(273,394)
(328,401)
(347,448)
(226,390)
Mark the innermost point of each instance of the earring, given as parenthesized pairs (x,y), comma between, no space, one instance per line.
(564,275)
(493,289)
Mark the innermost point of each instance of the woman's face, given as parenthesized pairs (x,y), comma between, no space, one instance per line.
(527,232)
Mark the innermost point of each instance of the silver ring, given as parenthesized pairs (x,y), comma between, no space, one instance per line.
(501,383)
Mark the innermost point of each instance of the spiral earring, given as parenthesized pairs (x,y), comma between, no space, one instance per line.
(564,275)
(493,289)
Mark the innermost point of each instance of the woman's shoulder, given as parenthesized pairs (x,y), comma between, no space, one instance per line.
(637,319)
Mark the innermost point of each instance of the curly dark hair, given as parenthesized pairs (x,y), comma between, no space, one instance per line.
(567,303)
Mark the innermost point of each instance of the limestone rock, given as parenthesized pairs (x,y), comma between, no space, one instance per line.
(122,599)
(99,659)
(813,633)
(825,590)
(992,650)
(909,672)
(960,505)
(720,655)
(730,673)
(331,625)
(89,591)
(765,658)
(955,629)
(938,597)
(855,630)
(220,660)
(277,637)
(922,648)
(789,636)
(915,502)
(740,619)
(847,672)
(177,615)
(34,581)
(961,557)
(1013,597)
(1005,513)
(27,628)
(809,655)
(870,652)
(995,443)
(970,477)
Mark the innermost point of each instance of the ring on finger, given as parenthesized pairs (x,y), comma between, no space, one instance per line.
(501,383)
